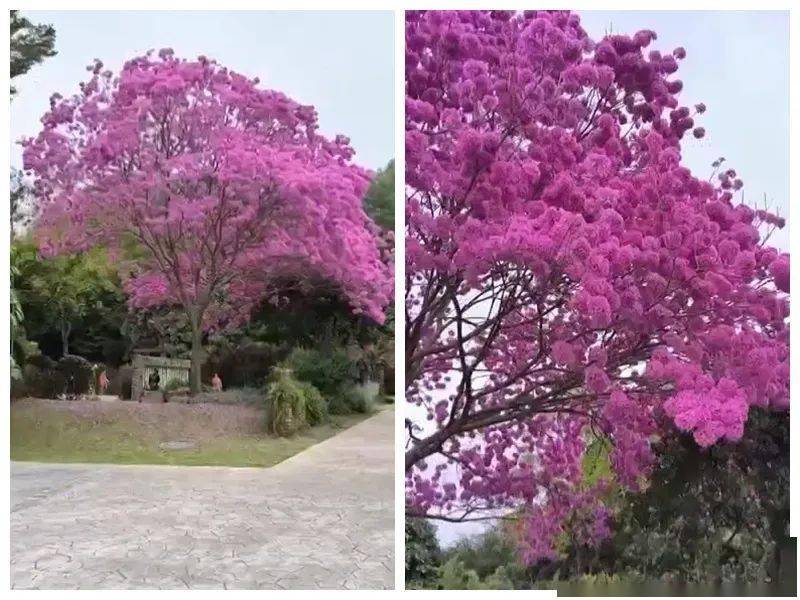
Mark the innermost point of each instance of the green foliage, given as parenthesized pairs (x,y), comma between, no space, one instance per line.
(596,462)
(17,333)
(710,517)
(73,296)
(286,404)
(345,348)
(349,399)
(77,374)
(486,552)
(719,514)
(379,199)
(335,373)
(293,405)
(30,45)
(164,329)
(329,370)
(312,317)
(360,401)
(174,384)
(244,362)
(316,407)
(454,575)
(423,555)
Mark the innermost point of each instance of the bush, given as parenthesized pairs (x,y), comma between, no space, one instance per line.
(174,385)
(77,369)
(339,403)
(346,401)
(316,407)
(40,382)
(423,554)
(360,400)
(286,404)
(329,371)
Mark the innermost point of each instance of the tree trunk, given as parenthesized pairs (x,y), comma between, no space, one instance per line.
(65,331)
(195,379)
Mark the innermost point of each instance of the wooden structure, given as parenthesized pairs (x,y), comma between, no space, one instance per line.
(171,372)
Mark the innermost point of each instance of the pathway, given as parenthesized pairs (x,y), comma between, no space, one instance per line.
(322,519)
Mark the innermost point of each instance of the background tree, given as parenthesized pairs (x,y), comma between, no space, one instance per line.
(379,200)
(567,277)
(22,207)
(17,322)
(423,554)
(30,45)
(708,516)
(719,515)
(57,294)
(227,187)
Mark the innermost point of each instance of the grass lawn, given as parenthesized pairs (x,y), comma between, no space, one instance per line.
(131,433)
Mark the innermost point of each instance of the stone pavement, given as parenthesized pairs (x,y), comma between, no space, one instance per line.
(322,519)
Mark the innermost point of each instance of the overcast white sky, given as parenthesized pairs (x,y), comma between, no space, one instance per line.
(341,62)
(737,63)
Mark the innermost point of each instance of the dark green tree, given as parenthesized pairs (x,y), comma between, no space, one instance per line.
(379,199)
(66,295)
(423,555)
(709,516)
(30,45)
(720,514)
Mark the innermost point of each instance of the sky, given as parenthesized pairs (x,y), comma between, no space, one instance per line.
(341,62)
(737,63)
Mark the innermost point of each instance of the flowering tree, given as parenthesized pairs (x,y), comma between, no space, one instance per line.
(221,186)
(570,285)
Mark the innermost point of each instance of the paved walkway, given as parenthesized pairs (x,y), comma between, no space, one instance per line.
(322,519)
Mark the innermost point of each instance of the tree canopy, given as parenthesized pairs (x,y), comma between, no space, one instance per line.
(379,200)
(226,187)
(30,45)
(568,277)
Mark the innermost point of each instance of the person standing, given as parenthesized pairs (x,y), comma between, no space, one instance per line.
(102,382)
(216,383)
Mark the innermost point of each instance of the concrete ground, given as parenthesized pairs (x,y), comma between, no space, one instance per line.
(322,519)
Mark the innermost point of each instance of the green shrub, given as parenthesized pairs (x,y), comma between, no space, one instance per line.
(77,372)
(41,382)
(174,384)
(286,404)
(360,401)
(329,371)
(339,403)
(316,407)
(350,399)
